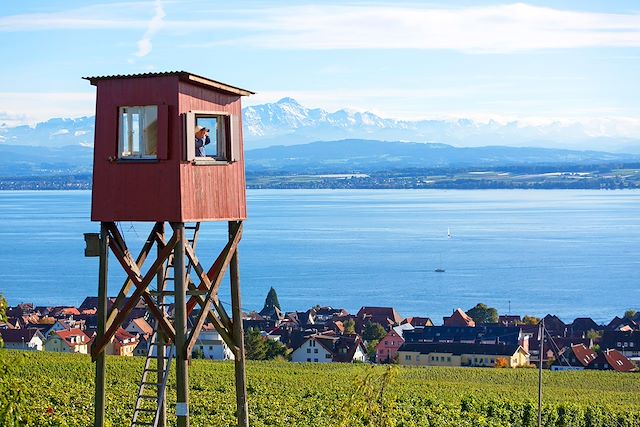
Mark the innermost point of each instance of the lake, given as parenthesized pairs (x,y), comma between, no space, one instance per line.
(570,253)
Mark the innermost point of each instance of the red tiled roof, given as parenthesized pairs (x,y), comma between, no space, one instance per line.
(583,354)
(459,318)
(618,361)
(67,336)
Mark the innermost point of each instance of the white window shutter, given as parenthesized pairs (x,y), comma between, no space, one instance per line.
(189,136)
(236,131)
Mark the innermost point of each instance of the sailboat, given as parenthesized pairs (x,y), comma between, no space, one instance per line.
(448,232)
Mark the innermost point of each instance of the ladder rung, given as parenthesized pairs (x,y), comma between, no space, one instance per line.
(141,424)
(144,396)
(190,227)
(145,410)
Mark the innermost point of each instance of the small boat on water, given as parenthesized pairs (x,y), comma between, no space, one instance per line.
(439,270)
(448,232)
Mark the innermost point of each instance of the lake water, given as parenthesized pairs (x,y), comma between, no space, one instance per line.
(571,253)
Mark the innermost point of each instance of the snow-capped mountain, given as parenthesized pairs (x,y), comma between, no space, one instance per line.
(287,122)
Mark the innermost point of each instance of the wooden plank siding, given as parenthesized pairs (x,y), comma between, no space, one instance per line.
(212,192)
(169,188)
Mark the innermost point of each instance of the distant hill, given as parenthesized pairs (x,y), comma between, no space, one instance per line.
(323,156)
(367,155)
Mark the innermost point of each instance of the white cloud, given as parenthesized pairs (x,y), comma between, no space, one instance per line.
(33,107)
(156,23)
(501,28)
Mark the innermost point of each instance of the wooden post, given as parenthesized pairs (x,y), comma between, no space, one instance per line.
(541,334)
(238,334)
(180,301)
(99,403)
(160,348)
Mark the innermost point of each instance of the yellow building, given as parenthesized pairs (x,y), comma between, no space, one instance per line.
(71,341)
(462,354)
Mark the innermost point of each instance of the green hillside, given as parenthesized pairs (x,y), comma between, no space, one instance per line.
(58,391)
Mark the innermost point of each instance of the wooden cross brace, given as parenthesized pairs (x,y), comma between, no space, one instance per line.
(210,282)
(135,278)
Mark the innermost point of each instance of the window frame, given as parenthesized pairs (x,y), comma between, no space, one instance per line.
(227,137)
(142,133)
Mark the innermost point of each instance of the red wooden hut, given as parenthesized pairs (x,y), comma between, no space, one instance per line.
(145,165)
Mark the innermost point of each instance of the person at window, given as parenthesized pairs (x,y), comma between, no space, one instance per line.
(202,139)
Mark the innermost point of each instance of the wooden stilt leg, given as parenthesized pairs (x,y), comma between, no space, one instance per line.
(182,367)
(99,404)
(238,335)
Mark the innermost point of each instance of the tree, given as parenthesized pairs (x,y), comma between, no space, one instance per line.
(530,320)
(373,332)
(271,300)
(371,350)
(254,345)
(349,327)
(481,313)
(593,335)
(630,314)
(276,350)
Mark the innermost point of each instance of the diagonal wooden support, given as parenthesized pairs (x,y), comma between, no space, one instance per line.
(212,286)
(141,288)
(144,252)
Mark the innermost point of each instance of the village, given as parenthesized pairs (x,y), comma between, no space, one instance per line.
(477,338)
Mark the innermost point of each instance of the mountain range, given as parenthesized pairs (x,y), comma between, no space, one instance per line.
(287,122)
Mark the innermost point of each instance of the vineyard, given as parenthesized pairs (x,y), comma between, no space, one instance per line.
(57,390)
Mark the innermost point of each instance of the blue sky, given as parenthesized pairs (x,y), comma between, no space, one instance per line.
(534,62)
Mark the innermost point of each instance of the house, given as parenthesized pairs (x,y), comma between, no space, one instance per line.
(385,316)
(462,354)
(573,358)
(459,318)
(22,339)
(581,326)
(509,320)
(71,341)
(65,325)
(483,334)
(322,348)
(554,326)
(387,348)
(139,326)
(622,324)
(143,346)
(416,321)
(212,345)
(123,343)
(626,342)
(612,360)
(61,312)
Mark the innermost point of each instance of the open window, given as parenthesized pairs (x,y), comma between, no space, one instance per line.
(212,138)
(138,132)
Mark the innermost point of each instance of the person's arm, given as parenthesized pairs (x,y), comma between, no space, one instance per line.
(207,140)
(199,143)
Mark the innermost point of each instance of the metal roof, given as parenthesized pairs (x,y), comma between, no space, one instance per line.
(182,75)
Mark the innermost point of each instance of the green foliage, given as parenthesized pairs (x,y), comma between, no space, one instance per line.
(593,335)
(373,331)
(257,347)
(197,354)
(630,314)
(12,392)
(371,350)
(271,300)
(254,345)
(60,393)
(349,326)
(530,320)
(481,313)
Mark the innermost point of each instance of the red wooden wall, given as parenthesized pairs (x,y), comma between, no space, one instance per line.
(170,188)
